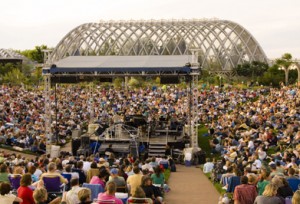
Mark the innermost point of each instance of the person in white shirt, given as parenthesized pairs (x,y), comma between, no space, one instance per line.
(147,166)
(38,172)
(5,196)
(86,166)
(256,164)
(208,166)
(72,195)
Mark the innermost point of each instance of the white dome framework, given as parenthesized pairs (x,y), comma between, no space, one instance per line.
(223,44)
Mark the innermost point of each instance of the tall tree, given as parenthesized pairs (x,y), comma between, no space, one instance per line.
(36,54)
(253,69)
(15,77)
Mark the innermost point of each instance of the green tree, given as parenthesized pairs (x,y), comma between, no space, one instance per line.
(15,77)
(272,77)
(36,75)
(36,54)
(27,69)
(118,82)
(253,69)
(7,67)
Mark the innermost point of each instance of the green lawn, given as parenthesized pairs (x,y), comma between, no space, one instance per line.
(204,142)
(218,186)
(12,149)
(204,145)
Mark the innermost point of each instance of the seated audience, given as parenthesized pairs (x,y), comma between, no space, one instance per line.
(72,194)
(84,196)
(5,196)
(109,193)
(24,191)
(53,173)
(269,196)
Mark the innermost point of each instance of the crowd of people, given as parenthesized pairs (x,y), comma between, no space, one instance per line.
(22,115)
(256,132)
(259,145)
(125,179)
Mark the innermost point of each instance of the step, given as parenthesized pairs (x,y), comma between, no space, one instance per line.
(157,143)
(155,154)
(157,150)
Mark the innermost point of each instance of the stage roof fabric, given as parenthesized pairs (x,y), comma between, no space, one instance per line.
(122,63)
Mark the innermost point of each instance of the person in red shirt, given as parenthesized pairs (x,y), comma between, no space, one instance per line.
(24,192)
(244,193)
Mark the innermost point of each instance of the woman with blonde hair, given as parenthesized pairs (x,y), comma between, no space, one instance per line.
(140,197)
(269,196)
(40,196)
(84,195)
(296,197)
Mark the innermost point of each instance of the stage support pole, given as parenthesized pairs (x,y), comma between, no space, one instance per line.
(194,111)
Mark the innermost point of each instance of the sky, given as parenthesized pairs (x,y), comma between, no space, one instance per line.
(275,24)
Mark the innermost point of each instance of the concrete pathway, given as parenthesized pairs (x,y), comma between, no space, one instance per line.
(189,185)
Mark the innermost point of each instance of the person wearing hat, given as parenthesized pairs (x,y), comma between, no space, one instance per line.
(102,162)
(114,177)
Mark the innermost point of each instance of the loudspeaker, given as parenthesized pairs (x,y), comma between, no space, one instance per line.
(76,134)
(85,141)
(75,146)
(169,80)
(133,151)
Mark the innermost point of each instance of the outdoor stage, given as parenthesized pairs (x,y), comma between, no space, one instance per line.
(76,69)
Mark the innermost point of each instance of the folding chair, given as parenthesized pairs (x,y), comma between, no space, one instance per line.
(53,185)
(133,200)
(15,181)
(294,183)
(68,177)
(95,189)
(225,180)
(288,200)
(232,183)
(122,189)
(103,202)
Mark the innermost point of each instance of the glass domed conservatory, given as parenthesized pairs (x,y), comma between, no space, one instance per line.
(222,44)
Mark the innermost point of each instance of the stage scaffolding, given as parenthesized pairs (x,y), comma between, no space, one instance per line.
(76,69)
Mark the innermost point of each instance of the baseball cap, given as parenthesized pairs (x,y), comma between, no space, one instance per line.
(114,171)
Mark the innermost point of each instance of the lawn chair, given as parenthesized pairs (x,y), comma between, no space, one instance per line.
(122,189)
(95,189)
(53,185)
(294,183)
(103,202)
(68,177)
(232,183)
(133,200)
(15,182)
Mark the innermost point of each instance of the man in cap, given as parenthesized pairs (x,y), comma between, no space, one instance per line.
(114,177)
